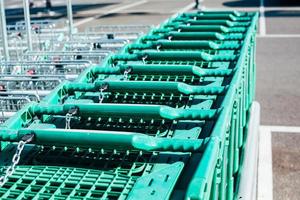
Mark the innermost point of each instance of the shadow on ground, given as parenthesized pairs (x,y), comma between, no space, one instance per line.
(267,3)
(16,14)
(282,13)
(129,14)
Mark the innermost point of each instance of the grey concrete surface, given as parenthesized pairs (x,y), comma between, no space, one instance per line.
(278,80)
(283,21)
(286,166)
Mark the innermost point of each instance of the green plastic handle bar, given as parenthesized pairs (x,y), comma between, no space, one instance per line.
(158,86)
(152,37)
(125,110)
(163,87)
(186,28)
(195,36)
(212,22)
(171,55)
(184,44)
(212,28)
(187,44)
(144,86)
(219,22)
(104,139)
(177,44)
(214,16)
(124,57)
(234,36)
(205,36)
(162,69)
(203,28)
(227,23)
(235,13)
(175,35)
(184,56)
(217,16)
(84,87)
(198,28)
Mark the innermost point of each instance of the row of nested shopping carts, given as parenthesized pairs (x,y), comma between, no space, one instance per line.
(56,55)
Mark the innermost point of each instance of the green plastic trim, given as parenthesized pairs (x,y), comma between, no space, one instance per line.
(142,86)
(125,110)
(102,139)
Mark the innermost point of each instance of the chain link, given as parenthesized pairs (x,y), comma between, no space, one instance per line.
(158,47)
(15,160)
(144,59)
(101,95)
(73,111)
(125,75)
(68,120)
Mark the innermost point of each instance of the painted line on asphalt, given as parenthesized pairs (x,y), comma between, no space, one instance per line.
(184,9)
(262,19)
(284,129)
(110,11)
(279,36)
(265,171)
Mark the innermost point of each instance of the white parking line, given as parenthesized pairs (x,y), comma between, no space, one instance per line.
(265,173)
(110,11)
(284,129)
(184,9)
(279,36)
(262,19)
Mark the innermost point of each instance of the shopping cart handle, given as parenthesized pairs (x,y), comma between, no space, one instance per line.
(195,35)
(104,139)
(125,110)
(214,16)
(184,20)
(187,114)
(143,86)
(183,56)
(204,28)
(188,44)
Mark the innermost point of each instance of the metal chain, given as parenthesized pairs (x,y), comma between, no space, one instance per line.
(144,59)
(158,47)
(102,89)
(101,95)
(68,120)
(69,116)
(125,75)
(16,158)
